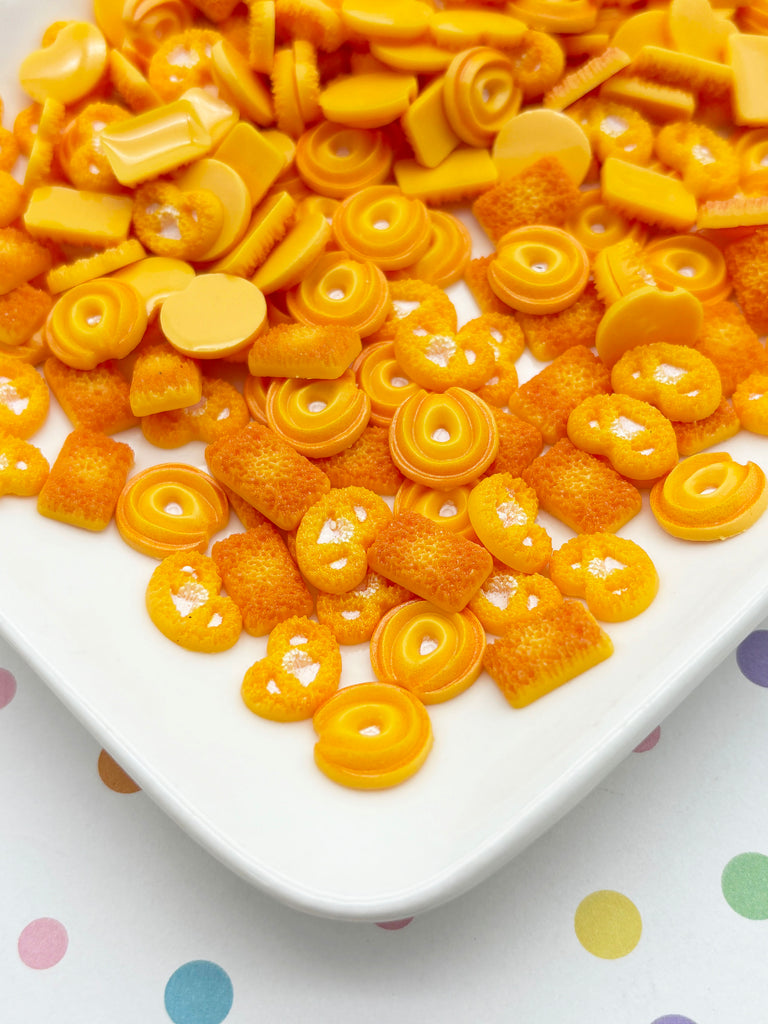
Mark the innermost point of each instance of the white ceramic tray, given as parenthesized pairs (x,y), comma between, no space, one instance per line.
(248,790)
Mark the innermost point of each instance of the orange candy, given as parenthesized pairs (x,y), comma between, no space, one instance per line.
(353,616)
(507,596)
(681,382)
(502,510)
(440,359)
(98,320)
(23,467)
(171,507)
(480,94)
(338,291)
(317,418)
(24,398)
(372,736)
(383,379)
(335,160)
(435,654)
(709,497)
(97,398)
(384,226)
(539,269)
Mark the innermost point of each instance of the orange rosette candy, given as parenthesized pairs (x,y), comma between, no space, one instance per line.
(443,440)
(384,226)
(709,497)
(317,418)
(372,736)
(690,262)
(171,507)
(336,161)
(255,394)
(24,398)
(95,321)
(300,672)
(184,601)
(539,269)
(433,653)
(383,379)
(444,508)
(637,439)
(502,509)
(340,291)
(480,94)
(450,247)
(612,574)
(334,536)
(146,23)
(596,225)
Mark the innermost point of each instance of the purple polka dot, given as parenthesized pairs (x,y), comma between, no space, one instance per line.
(43,943)
(673,1018)
(649,742)
(7,687)
(752,657)
(393,926)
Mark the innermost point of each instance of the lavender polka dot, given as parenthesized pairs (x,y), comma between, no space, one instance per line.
(7,687)
(649,742)
(752,657)
(673,1018)
(43,943)
(393,926)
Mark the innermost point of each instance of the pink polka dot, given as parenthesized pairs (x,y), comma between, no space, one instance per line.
(43,943)
(7,687)
(393,926)
(649,742)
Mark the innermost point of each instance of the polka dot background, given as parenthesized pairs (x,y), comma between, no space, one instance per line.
(647,904)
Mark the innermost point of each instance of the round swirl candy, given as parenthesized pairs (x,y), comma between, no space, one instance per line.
(372,736)
(383,379)
(690,262)
(443,440)
(433,653)
(382,225)
(95,321)
(448,509)
(171,507)
(318,418)
(595,225)
(709,497)
(480,94)
(539,269)
(336,161)
(341,291)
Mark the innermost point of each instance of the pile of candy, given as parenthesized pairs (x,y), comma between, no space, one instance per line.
(229,230)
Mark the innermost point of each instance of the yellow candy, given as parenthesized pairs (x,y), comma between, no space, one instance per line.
(79,217)
(155,142)
(461,29)
(155,278)
(215,315)
(286,264)
(647,195)
(534,134)
(368,101)
(748,56)
(69,68)
(397,20)
(255,159)
(92,322)
(422,58)
(216,116)
(87,268)
(219,178)
(464,173)
(427,128)
(240,85)
(646,315)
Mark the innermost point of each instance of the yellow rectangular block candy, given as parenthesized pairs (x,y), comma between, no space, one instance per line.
(647,195)
(465,173)
(79,217)
(427,128)
(254,158)
(748,56)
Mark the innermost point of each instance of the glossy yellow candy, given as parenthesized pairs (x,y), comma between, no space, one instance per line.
(427,128)
(445,508)
(338,290)
(92,322)
(709,497)
(255,159)
(295,254)
(221,179)
(433,653)
(77,216)
(748,56)
(336,161)
(216,116)
(690,262)
(372,736)
(368,100)
(480,94)
(171,507)
(384,20)
(216,315)
(650,196)
(383,379)
(69,68)
(443,440)
(239,85)
(463,174)
(420,58)
(462,29)
(596,226)
(155,142)
(318,417)
(539,269)
(382,225)
(155,278)
(269,223)
(646,315)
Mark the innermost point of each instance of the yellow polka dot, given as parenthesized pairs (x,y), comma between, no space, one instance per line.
(608,924)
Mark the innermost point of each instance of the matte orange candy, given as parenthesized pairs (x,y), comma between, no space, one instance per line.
(215,315)
(382,225)
(336,160)
(647,315)
(443,440)
(95,321)
(372,736)
(171,507)
(539,269)
(709,496)
(433,653)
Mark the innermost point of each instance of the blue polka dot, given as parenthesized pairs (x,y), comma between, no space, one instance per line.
(198,992)
(752,657)
(673,1018)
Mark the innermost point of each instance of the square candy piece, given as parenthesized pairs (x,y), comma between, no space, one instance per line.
(86,479)
(429,560)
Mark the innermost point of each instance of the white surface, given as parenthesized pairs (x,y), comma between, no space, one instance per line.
(247,789)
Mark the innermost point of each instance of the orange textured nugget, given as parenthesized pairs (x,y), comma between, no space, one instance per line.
(220,411)
(747,263)
(23,467)
(309,351)
(476,279)
(352,617)
(86,480)
(23,311)
(261,578)
(21,259)
(548,399)
(264,470)
(697,435)
(24,398)
(97,398)
(538,654)
(367,463)
(730,342)
(582,490)
(519,443)
(550,335)
(507,596)
(413,299)
(434,563)
(543,193)
(163,379)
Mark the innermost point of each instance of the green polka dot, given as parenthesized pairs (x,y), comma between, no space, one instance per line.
(745,885)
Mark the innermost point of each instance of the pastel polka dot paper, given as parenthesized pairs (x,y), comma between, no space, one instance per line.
(42,943)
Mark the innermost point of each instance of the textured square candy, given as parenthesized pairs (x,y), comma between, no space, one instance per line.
(97,398)
(86,480)
(540,653)
(266,471)
(543,193)
(432,562)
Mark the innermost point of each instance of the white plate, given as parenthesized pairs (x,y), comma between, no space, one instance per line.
(247,789)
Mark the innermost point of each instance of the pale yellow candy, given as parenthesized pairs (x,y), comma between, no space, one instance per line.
(216,116)
(69,68)
(240,85)
(368,100)
(216,315)
(427,128)
(155,278)
(285,265)
(226,183)
(79,217)
(255,158)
